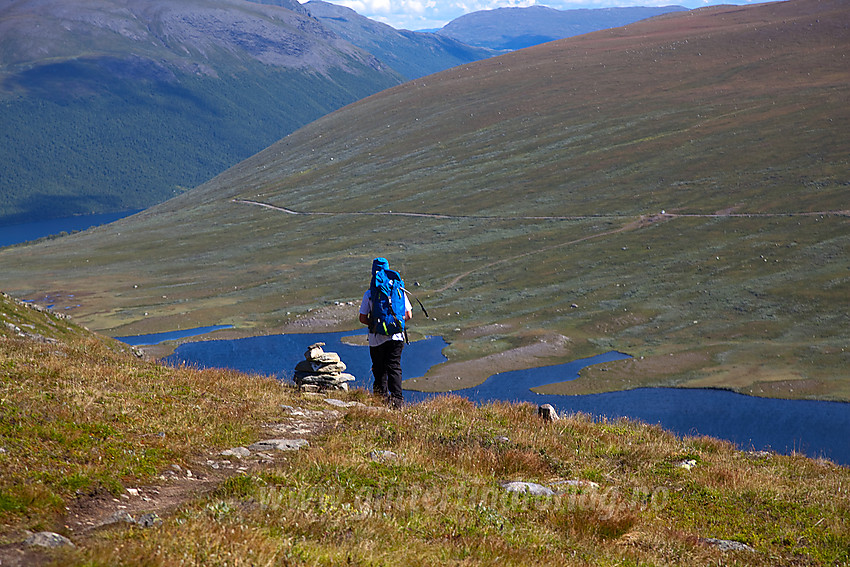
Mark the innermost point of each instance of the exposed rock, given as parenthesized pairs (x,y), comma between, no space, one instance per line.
(342,404)
(308,367)
(548,412)
(528,488)
(238,452)
(148,520)
(313,414)
(279,445)
(383,456)
(121,516)
(727,544)
(48,539)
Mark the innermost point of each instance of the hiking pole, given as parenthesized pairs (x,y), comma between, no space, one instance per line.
(417,301)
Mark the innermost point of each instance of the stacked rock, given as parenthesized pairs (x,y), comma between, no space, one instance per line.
(321,370)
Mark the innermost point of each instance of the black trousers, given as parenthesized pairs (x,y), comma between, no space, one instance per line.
(386,368)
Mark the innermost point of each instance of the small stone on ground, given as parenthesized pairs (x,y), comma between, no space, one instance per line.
(48,539)
(528,488)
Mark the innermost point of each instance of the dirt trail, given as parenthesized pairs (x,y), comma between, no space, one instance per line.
(729,212)
(406,214)
(637,222)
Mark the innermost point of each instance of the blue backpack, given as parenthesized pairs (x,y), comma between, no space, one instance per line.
(387,294)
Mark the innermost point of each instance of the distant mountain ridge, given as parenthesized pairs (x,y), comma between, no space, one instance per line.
(507,29)
(199,37)
(413,54)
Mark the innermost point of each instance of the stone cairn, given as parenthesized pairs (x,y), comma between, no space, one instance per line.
(321,371)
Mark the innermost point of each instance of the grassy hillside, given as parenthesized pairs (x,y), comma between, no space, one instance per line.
(676,189)
(96,444)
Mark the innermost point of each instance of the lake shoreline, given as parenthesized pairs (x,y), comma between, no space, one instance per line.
(165,349)
(813,427)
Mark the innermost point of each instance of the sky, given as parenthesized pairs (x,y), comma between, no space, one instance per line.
(434,14)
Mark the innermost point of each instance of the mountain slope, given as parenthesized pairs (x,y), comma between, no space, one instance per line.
(676,189)
(515,28)
(112,105)
(412,54)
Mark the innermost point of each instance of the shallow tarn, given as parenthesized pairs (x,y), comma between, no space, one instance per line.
(814,428)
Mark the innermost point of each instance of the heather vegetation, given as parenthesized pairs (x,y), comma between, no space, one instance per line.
(90,433)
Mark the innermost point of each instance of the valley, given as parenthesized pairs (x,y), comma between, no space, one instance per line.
(663,205)
(529,210)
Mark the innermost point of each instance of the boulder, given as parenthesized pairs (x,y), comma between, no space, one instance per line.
(314,350)
(326,358)
(48,539)
(548,412)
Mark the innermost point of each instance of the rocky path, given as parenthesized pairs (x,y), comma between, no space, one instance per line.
(178,485)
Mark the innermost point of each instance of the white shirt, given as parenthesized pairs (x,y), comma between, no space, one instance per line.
(366,308)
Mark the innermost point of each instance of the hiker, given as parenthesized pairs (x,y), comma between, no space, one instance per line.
(386,329)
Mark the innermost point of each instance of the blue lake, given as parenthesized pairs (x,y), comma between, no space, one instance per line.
(815,428)
(17,233)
